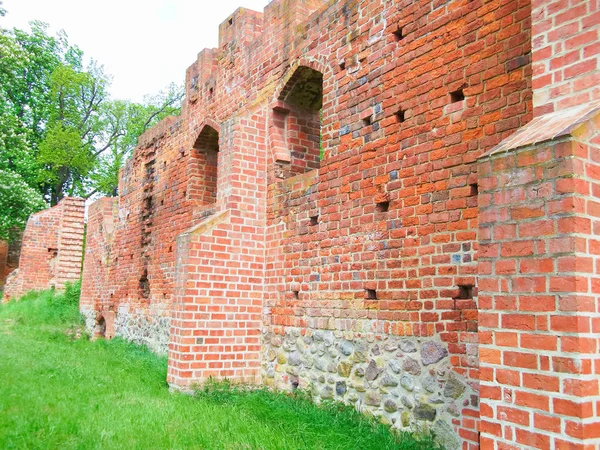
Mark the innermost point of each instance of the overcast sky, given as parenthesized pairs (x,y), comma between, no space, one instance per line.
(144,45)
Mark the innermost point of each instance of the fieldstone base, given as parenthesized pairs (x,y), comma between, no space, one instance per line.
(407,382)
(149,328)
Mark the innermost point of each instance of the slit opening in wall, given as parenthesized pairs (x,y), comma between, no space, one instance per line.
(367,121)
(457,96)
(382,206)
(465,291)
(296,294)
(343,65)
(230,21)
(314,220)
(144,284)
(370,294)
(400,116)
(398,34)
(474,189)
(294,383)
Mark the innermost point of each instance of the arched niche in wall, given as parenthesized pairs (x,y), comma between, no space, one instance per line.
(295,126)
(100,327)
(204,167)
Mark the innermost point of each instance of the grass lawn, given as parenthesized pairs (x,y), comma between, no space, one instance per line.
(60,392)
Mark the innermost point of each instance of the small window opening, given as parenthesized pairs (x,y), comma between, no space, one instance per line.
(370,294)
(465,291)
(144,284)
(398,34)
(296,294)
(367,121)
(211,91)
(343,65)
(230,21)
(294,382)
(474,189)
(100,328)
(382,206)
(457,96)
(314,220)
(400,116)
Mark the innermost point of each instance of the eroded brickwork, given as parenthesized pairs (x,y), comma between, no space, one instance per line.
(51,249)
(311,219)
(3,263)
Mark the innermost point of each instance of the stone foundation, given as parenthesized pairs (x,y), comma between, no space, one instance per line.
(141,327)
(407,382)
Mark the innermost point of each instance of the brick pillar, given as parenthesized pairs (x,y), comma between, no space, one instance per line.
(539,285)
(96,288)
(566,53)
(218,297)
(70,242)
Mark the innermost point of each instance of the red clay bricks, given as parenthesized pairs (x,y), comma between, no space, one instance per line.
(51,249)
(352,203)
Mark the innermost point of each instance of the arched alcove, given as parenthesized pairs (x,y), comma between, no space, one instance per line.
(204,166)
(296,123)
(100,327)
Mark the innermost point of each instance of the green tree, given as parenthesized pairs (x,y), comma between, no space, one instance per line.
(60,134)
(68,152)
(27,63)
(124,123)
(17,202)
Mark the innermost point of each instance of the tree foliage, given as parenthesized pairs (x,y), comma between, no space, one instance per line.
(17,201)
(60,132)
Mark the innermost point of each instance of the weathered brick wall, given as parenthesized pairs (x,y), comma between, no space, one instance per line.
(3,261)
(9,257)
(51,249)
(358,279)
(539,285)
(566,53)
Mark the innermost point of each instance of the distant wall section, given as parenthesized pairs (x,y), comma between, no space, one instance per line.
(51,249)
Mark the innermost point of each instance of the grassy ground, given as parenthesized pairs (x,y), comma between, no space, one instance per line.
(59,391)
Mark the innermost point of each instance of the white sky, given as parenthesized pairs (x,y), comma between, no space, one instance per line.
(144,45)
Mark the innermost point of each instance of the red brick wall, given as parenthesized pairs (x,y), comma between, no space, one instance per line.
(566,53)
(539,286)
(3,261)
(394,130)
(51,249)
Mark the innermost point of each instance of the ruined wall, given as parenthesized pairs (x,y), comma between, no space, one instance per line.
(9,257)
(51,249)
(354,275)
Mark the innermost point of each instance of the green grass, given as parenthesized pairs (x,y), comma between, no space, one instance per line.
(58,391)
